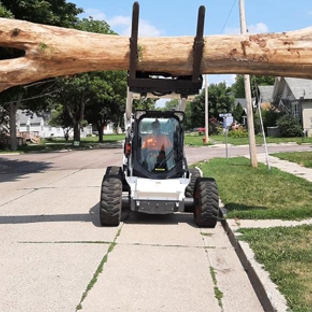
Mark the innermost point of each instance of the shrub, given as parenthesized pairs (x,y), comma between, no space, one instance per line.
(238,133)
(289,126)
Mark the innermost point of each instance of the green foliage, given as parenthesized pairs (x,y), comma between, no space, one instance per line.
(289,126)
(220,100)
(269,119)
(238,112)
(144,104)
(170,105)
(95,26)
(4,12)
(238,133)
(50,12)
(255,81)
(239,87)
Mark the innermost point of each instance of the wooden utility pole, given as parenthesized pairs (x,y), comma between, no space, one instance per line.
(250,120)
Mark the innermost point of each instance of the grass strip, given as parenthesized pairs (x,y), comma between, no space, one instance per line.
(257,193)
(217,291)
(286,253)
(301,158)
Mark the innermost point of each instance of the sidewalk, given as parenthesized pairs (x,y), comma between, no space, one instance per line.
(274,300)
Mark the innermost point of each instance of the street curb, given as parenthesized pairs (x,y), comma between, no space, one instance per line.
(255,280)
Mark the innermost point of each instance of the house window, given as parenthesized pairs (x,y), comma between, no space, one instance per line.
(295,110)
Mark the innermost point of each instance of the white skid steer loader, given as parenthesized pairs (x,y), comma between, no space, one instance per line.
(155,172)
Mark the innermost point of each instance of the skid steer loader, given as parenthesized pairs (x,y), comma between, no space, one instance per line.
(155,173)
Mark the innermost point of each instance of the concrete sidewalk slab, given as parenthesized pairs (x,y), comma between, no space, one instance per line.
(153,278)
(170,230)
(231,277)
(46,277)
(55,214)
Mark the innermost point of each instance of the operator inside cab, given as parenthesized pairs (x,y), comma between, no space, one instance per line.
(155,148)
(156,140)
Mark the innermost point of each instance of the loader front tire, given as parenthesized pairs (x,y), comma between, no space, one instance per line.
(206,200)
(111,197)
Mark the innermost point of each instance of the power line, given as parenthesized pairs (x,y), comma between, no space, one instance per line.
(228,17)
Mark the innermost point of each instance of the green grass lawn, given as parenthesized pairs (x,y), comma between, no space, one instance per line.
(257,193)
(61,144)
(302,158)
(194,139)
(286,253)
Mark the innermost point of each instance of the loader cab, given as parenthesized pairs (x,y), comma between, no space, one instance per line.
(158,144)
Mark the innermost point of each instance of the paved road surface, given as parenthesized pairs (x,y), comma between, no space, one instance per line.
(54,256)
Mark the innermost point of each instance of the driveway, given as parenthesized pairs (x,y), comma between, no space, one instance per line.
(54,256)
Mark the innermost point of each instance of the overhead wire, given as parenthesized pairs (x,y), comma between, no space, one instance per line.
(227,19)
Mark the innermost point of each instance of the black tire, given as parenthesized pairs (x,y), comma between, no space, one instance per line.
(189,191)
(206,200)
(111,197)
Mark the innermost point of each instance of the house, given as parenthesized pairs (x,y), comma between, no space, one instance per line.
(31,126)
(294,96)
(243,103)
(265,95)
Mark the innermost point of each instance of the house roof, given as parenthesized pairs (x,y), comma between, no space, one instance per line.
(301,88)
(243,102)
(266,93)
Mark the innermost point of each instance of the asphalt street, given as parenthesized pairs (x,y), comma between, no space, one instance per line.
(54,256)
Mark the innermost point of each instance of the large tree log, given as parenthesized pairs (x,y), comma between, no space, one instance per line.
(53,51)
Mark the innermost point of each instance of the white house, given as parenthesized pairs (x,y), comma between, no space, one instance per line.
(32,125)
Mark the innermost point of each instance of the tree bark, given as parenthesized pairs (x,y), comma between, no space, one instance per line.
(77,131)
(13,139)
(53,51)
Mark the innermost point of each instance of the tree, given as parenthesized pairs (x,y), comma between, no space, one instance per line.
(170,105)
(238,113)
(255,81)
(220,100)
(107,94)
(52,12)
(289,126)
(61,118)
(238,87)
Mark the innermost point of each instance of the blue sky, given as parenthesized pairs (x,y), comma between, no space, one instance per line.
(179,17)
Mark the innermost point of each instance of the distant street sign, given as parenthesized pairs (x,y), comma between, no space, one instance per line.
(225,115)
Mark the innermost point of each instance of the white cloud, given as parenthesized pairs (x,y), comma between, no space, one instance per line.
(253,29)
(231,31)
(122,24)
(95,14)
(258,28)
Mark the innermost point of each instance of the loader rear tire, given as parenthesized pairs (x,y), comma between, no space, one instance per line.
(189,191)
(206,200)
(111,197)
